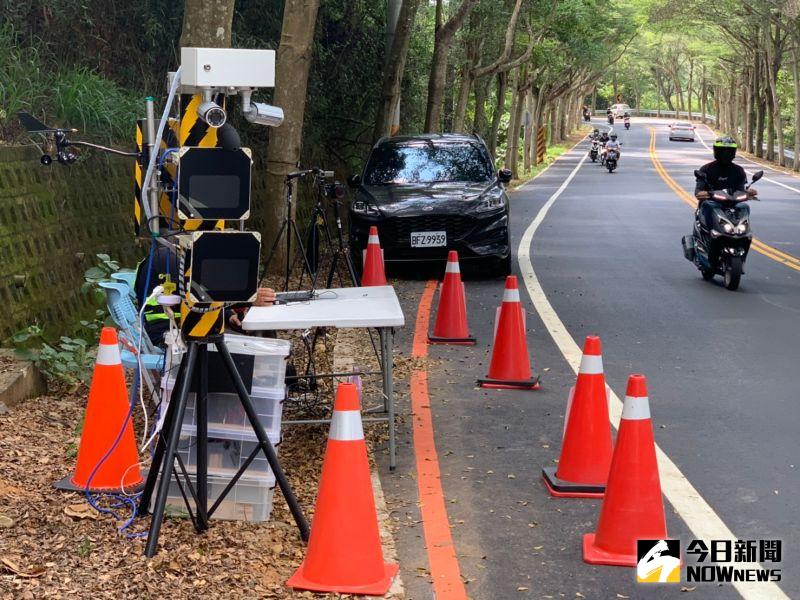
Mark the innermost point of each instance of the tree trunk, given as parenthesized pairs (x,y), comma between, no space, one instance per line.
(479,124)
(529,125)
(689,90)
(500,108)
(514,134)
(395,67)
(443,39)
(207,23)
(513,84)
(796,83)
(759,137)
(291,80)
(463,99)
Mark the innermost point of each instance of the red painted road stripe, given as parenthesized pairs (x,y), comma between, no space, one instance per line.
(445,572)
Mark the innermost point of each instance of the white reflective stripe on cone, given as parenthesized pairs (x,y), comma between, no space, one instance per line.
(591,365)
(108,354)
(452,267)
(636,409)
(373,239)
(511,295)
(346,426)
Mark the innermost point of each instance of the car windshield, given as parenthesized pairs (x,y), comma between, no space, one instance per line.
(683,125)
(428,163)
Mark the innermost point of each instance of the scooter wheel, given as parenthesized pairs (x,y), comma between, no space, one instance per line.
(733,273)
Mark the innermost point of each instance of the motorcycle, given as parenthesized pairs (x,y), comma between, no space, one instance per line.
(612,158)
(587,116)
(610,119)
(721,247)
(627,122)
(594,150)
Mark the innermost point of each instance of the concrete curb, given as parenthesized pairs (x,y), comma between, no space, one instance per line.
(23,382)
(343,362)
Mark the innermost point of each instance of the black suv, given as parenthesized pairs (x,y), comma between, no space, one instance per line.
(431,193)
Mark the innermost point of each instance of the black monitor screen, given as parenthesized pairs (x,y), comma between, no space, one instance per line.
(225,274)
(214,191)
(224,266)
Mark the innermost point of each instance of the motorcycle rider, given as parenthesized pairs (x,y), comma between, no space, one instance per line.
(722,174)
(587,115)
(627,119)
(613,144)
(595,134)
(604,138)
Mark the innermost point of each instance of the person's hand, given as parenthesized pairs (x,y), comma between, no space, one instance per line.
(234,320)
(702,194)
(264,297)
(752,192)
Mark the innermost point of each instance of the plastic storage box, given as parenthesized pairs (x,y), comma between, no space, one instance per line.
(249,500)
(227,419)
(269,364)
(225,456)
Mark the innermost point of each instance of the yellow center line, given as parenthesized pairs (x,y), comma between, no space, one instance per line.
(778,256)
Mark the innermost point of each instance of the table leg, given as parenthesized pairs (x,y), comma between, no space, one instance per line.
(387,365)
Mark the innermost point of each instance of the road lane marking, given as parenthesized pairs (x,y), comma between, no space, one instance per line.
(442,560)
(777,255)
(753,162)
(698,515)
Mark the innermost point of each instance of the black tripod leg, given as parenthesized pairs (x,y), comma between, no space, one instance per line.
(266,445)
(201,408)
(158,456)
(169,454)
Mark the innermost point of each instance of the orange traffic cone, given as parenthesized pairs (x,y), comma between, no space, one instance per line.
(586,452)
(632,507)
(510,367)
(102,465)
(344,552)
(451,318)
(373,261)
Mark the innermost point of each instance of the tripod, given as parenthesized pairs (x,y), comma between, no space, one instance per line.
(318,220)
(194,367)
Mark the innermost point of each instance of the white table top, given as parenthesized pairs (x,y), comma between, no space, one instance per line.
(338,307)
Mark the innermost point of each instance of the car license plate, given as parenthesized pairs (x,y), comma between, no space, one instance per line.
(428,239)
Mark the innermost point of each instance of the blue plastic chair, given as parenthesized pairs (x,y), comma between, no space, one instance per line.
(127,277)
(124,313)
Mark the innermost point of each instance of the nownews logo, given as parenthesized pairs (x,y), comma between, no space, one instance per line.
(726,551)
(724,561)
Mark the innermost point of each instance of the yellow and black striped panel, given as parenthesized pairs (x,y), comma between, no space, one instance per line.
(197,325)
(138,175)
(194,132)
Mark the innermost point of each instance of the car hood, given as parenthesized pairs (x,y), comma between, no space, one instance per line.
(411,198)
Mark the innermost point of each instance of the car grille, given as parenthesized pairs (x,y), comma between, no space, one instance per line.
(399,229)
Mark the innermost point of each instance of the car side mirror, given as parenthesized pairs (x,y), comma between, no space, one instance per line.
(354,181)
(504,175)
(757,175)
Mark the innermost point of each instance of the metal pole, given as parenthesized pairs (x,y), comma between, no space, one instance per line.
(201,408)
(152,192)
(386,336)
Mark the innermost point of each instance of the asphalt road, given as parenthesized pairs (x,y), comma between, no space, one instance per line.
(721,368)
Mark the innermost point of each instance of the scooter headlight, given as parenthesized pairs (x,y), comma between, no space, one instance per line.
(742,227)
(726,225)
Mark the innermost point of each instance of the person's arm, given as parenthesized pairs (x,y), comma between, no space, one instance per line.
(701,187)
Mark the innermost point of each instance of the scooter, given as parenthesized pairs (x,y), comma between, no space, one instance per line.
(610,118)
(594,150)
(612,158)
(627,122)
(721,247)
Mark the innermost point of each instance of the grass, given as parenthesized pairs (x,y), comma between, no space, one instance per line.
(60,95)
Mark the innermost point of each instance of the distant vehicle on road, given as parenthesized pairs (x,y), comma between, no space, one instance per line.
(619,110)
(681,131)
(432,193)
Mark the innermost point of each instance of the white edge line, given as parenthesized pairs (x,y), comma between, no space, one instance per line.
(684,497)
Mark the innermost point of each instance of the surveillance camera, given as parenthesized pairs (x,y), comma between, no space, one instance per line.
(212,114)
(264,114)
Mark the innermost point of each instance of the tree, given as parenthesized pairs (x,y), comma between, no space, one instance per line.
(291,81)
(443,39)
(207,23)
(395,67)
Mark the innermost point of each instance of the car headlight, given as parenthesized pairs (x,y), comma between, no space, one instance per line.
(491,203)
(364,208)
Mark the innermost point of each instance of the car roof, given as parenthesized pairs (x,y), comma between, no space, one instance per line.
(681,124)
(429,137)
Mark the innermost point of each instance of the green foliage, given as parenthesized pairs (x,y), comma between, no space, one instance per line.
(102,271)
(68,360)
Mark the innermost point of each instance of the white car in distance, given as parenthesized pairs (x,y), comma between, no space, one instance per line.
(681,130)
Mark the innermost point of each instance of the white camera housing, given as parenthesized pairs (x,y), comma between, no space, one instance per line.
(204,68)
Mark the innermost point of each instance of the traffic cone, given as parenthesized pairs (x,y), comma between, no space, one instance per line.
(632,508)
(586,450)
(510,366)
(106,411)
(344,552)
(451,317)
(374,273)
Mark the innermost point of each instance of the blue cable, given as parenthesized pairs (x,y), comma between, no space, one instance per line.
(125,501)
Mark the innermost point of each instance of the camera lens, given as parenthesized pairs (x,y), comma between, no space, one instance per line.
(212,114)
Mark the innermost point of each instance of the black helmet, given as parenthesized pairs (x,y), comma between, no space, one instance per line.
(725,149)
(596,130)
